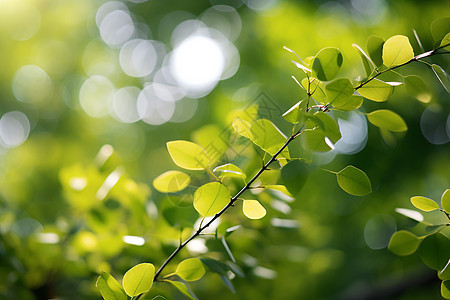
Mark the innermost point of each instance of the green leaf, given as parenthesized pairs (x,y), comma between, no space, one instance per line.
(190,269)
(110,288)
(396,51)
(177,216)
(316,140)
(327,63)
(445,289)
(228,283)
(242,127)
(435,251)
(387,119)
(253,209)
(439,28)
(338,91)
(375,49)
(328,125)
(297,113)
(267,136)
(171,182)
(412,214)
(227,248)
(229,170)
(294,175)
(280,188)
(424,203)
(210,198)
(445,201)
(188,155)
(316,88)
(442,76)
(354,181)
(368,68)
(376,90)
(215,266)
(138,279)
(182,288)
(446,41)
(403,243)
(351,103)
(417,88)
(444,274)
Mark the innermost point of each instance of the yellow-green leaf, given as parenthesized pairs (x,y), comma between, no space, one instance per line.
(188,155)
(424,203)
(280,188)
(138,279)
(396,51)
(403,243)
(435,250)
(171,181)
(445,289)
(339,90)
(446,42)
(210,198)
(351,103)
(354,181)
(376,90)
(387,119)
(190,269)
(327,63)
(110,288)
(445,201)
(253,209)
(182,288)
(443,77)
(297,113)
(375,49)
(267,136)
(230,170)
(316,88)
(242,127)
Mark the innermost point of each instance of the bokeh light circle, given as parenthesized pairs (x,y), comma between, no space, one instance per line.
(96,94)
(125,104)
(116,28)
(138,58)
(14,129)
(31,84)
(152,108)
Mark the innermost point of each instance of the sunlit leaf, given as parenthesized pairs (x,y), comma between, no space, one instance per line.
(439,28)
(443,77)
(328,125)
(178,216)
(351,103)
(368,68)
(327,63)
(138,279)
(210,198)
(242,127)
(210,138)
(297,113)
(253,209)
(171,181)
(412,214)
(316,140)
(354,181)
(375,49)
(338,91)
(417,88)
(280,188)
(110,288)
(230,170)
(376,90)
(387,119)
(182,288)
(444,274)
(294,175)
(446,41)
(403,243)
(267,136)
(190,269)
(424,203)
(188,155)
(445,200)
(445,289)
(435,251)
(396,51)
(316,88)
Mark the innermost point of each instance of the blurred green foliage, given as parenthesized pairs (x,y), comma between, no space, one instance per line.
(78,185)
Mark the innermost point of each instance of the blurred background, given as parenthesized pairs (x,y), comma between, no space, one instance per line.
(90,92)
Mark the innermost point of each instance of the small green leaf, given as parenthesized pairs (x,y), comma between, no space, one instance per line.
(442,76)
(328,125)
(138,279)
(229,170)
(297,113)
(182,288)
(316,140)
(417,88)
(327,63)
(445,289)
(387,119)
(376,90)
(375,49)
(294,175)
(435,251)
(188,155)
(267,136)
(446,41)
(280,188)
(316,88)
(444,274)
(215,266)
(171,182)
(424,203)
(396,51)
(110,288)
(211,198)
(351,103)
(368,68)
(445,201)
(403,243)
(253,209)
(354,181)
(339,90)
(242,127)
(412,214)
(439,28)
(190,269)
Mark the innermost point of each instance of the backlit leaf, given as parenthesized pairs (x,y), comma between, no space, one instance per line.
(110,288)
(396,51)
(417,88)
(446,41)
(435,251)
(375,49)
(280,188)
(171,181)
(210,198)
(424,203)
(338,91)
(267,136)
(445,289)
(190,269)
(368,68)
(443,77)
(354,181)
(182,288)
(297,113)
(253,209)
(138,279)
(387,119)
(188,155)
(445,201)
(403,243)
(412,214)
(376,90)
(327,63)
(242,127)
(316,88)
(328,125)
(229,170)
(351,103)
